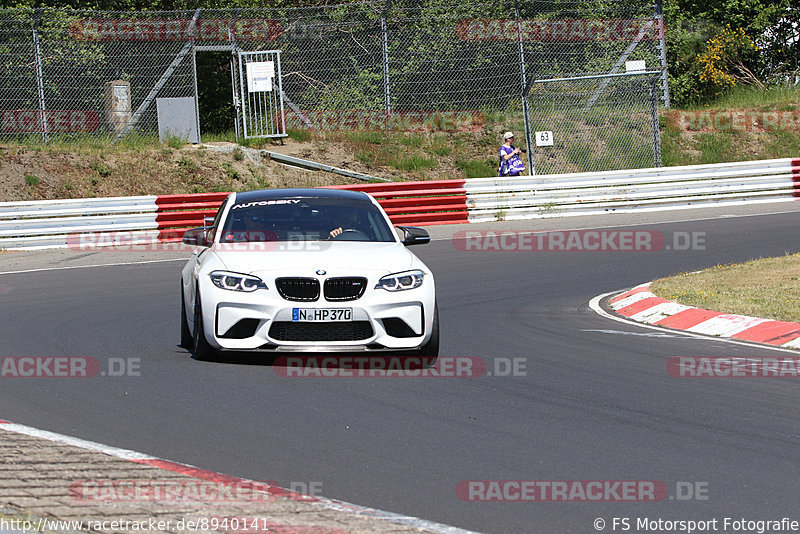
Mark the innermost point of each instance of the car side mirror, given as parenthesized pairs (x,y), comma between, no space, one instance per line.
(196,236)
(414,236)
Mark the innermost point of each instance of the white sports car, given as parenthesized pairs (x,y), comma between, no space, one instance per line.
(309,270)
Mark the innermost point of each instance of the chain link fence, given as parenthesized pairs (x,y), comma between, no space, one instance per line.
(362,65)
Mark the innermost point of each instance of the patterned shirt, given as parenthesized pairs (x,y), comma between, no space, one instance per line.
(514,165)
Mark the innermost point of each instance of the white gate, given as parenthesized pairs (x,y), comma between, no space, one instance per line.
(259,101)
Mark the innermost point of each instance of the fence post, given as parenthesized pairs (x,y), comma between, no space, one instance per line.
(39,75)
(662,48)
(654,120)
(521,48)
(387,97)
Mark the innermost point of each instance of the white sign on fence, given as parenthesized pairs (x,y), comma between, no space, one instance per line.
(259,76)
(544,138)
(635,66)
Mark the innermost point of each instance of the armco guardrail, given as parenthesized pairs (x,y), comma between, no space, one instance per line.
(108,221)
(559,195)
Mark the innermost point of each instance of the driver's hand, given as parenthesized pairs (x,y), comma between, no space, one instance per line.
(336,231)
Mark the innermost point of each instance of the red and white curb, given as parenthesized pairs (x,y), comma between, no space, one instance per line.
(641,305)
(195,472)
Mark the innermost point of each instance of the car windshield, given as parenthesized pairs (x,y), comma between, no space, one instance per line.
(306,219)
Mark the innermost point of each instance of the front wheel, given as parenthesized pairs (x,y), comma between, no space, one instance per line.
(202,350)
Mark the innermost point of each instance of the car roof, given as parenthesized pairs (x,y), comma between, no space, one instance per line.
(266,194)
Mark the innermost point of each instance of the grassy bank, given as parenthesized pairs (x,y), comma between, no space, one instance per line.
(699,143)
(768,288)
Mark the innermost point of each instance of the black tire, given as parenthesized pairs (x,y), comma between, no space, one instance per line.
(187,341)
(202,350)
(430,350)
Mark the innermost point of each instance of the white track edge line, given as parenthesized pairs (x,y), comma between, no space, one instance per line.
(594,304)
(331,504)
(69,267)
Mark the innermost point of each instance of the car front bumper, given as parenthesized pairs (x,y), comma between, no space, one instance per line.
(263,321)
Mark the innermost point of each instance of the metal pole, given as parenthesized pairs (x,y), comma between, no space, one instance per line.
(196,98)
(282,125)
(387,97)
(662,46)
(524,78)
(245,100)
(236,96)
(654,122)
(234,92)
(595,76)
(39,76)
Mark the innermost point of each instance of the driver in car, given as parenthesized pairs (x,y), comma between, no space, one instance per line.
(345,221)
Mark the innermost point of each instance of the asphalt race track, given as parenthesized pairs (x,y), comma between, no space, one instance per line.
(596,402)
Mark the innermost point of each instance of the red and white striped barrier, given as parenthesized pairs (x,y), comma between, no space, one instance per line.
(641,305)
(52,223)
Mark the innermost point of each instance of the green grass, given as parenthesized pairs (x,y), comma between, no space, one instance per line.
(715,147)
(412,163)
(232,173)
(441,149)
(694,147)
(774,98)
(299,135)
(100,169)
(219,137)
(188,164)
(366,137)
(475,168)
(415,141)
(32,180)
(766,288)
(173,141)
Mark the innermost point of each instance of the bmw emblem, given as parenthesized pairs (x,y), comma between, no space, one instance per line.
(321,272)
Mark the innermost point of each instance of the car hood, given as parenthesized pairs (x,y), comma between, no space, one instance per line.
(306,258)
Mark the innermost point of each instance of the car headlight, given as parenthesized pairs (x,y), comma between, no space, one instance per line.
(401,281)
(237,281)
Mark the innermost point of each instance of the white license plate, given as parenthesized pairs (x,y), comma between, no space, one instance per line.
(322,315)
